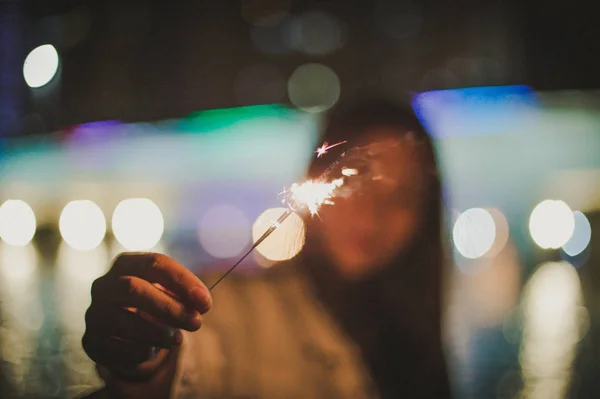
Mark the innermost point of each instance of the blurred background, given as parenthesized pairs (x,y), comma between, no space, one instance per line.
(172,127)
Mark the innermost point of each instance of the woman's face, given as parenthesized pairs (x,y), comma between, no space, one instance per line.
(361,233)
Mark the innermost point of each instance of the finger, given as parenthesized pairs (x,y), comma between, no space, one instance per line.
(131,291)
(161,269)
(121,323)
(169,367)
(113,352)
(166,291)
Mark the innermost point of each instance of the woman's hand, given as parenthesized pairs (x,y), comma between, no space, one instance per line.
(140,305)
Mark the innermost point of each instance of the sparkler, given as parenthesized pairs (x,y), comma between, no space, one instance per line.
(267,233)
(322,150)
(341,178)
(299,198)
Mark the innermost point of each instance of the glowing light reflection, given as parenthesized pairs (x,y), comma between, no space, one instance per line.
(82,225)
(17,223)
(75,273)
(310,194)
(40,66)
(314,87)
(286,241)
(19,285)
(76,270)
(137,224)
(474,233)
(224,231)
(555,320)
(551,224)
(502,232)
(349,172)
(582,235)
(22,313)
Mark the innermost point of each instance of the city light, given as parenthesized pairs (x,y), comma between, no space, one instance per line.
(474,233)
(17,223)
(82,225)
(551,224)
(137,224)
(582,235)
(314,87)
(40,66)
(555,320)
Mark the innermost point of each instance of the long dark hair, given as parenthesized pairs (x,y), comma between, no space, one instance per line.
(409,289)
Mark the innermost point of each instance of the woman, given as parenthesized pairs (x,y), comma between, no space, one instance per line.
(357,314)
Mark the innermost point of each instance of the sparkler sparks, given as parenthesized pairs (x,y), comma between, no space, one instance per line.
(349,172)
(300,197)
(342,178)
(310,195)
(322,150)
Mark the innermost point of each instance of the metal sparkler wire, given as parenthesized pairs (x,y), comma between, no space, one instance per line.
(267,233)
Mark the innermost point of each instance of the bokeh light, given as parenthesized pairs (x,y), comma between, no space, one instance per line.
(551,224)
(19,288)
(40,66)
(315,33)
(17,263)
(552,294)
(224,231)
(474,233)
(491,287)
(71,277)
(314,87)
(286,241)
(259,84)
(137,224)
(582,235)
(72,284)
(555,320)
(82,225)
(264,12)
(23,314)
(262,261)
(17,223)
(502,232)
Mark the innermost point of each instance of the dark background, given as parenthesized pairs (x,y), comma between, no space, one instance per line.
(137,54)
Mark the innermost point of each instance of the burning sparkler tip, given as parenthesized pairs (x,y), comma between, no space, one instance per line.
(322,150)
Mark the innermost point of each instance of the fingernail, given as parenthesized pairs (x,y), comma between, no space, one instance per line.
(201,299)
(192,316)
